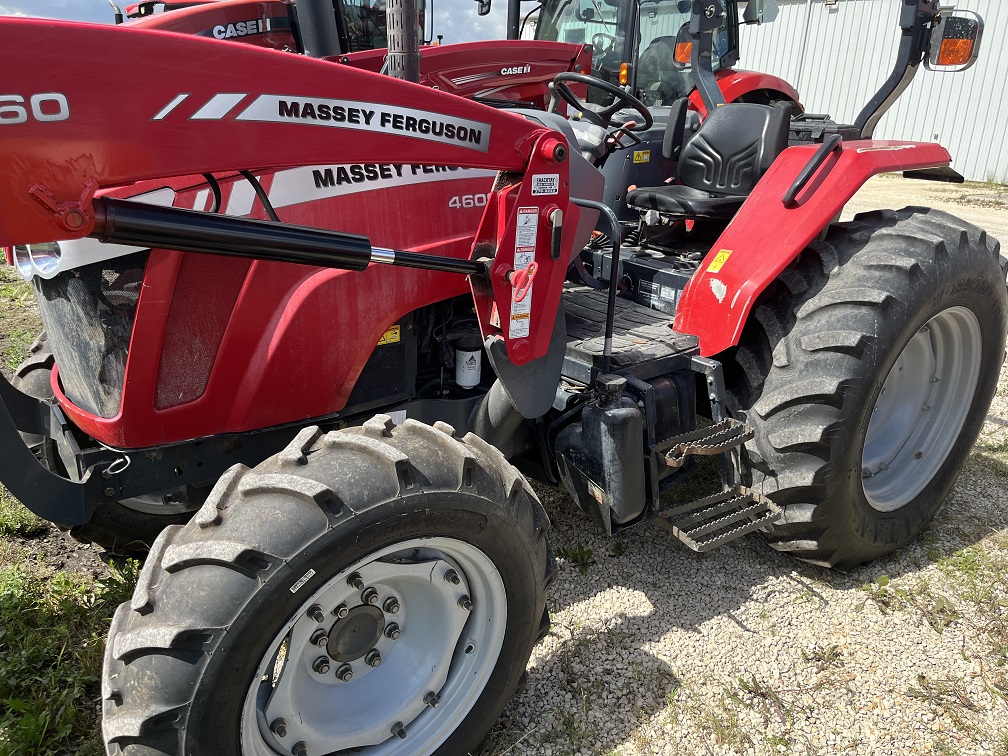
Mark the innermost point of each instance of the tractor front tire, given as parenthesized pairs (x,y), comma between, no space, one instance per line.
(374,589)
(866,372)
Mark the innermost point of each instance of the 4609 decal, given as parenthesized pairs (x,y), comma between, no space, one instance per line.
(468,200)
(44,108)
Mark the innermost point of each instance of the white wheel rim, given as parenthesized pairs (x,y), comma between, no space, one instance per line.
(442,648)
(921,409)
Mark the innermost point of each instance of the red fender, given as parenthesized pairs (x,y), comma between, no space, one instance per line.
(735,84)
(765,235)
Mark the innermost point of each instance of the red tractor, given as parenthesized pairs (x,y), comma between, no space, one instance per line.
(334,333)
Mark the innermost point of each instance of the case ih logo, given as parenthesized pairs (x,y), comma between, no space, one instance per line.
(242,28)
(516,70)
(343,114)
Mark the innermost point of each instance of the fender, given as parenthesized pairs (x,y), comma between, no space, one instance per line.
(766,236)
(736,84)
(263,23)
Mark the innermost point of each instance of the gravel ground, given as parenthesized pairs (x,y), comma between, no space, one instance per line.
(656,650)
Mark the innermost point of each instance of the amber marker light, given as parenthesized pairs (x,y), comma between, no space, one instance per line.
(683,52)
(624,74)
(955,52)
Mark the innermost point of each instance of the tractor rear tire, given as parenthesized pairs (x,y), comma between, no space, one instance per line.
(117,527)
(866,372)
(258,627)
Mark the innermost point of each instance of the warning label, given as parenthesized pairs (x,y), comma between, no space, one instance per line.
(545,183)
(392,336)
(719,260)
(521,311)
(528,226)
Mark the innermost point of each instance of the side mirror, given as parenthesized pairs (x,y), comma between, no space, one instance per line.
(760,12)
(683,48)
(955,41)
(585,11)
(482,7)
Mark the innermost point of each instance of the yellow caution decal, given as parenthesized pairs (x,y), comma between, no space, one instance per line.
(642,156)
(391,336)
(719,260)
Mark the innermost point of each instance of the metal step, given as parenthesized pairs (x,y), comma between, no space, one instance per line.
(705,442)
(710,522)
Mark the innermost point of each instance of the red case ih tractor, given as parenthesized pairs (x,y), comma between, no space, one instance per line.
(240,262)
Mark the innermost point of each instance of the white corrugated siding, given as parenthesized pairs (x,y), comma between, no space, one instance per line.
(837,57)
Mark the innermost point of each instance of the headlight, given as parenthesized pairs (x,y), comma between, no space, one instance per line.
(43,259)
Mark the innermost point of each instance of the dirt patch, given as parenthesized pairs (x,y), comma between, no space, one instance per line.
(55,550)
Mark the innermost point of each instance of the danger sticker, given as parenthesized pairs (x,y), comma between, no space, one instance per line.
(719,260)
(521,312)
(528,225)
(642,156)
(545,183)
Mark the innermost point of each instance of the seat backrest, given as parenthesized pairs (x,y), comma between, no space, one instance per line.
(734,147)
(675,130)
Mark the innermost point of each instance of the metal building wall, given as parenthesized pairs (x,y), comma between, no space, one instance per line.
(837,55)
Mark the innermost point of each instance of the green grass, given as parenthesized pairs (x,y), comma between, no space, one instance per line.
(16,520)
(52,628)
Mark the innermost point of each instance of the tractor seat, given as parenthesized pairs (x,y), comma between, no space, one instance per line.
(721,163)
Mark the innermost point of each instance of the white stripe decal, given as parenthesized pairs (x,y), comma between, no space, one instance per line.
(296,186)
(179,99)
(369,116)
(218,107)
(242,198)
(201,198)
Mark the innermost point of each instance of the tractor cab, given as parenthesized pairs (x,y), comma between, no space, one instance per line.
(633,43)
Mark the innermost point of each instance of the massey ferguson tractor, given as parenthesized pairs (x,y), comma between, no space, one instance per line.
(329,323)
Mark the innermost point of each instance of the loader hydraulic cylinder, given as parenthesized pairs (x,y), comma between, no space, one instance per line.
(137,224)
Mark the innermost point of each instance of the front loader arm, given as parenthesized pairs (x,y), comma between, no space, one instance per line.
(166,105)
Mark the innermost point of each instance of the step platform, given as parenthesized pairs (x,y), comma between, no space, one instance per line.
(713,521)
(644,342)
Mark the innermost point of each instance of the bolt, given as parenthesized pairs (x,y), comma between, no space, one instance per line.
(321,665)
(344,673)
(866,473)
(452,577)
(110,491)
(926,407)
(373,658)
(392,631)
(279,728)
(369,596)
(935,379)
(391,605)
(399,730)
(319,637)
(465,603)
(432,699)
(340,611)
(299,749)
(315,613)
(919,455)
(354,581)
(924,329)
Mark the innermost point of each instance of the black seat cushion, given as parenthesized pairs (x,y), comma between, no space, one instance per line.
(720,164)
(683,201)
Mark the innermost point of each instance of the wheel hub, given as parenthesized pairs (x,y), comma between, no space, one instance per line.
(356,634)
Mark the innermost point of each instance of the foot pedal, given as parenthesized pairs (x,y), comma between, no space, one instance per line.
(707,523)
(705,442)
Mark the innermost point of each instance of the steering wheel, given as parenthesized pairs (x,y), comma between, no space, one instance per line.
(598,115)
(609,39)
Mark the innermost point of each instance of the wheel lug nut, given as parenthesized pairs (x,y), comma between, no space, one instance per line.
(398,730)
(369,596)
(340,611)
(344,673)
(279,728)
(319,637)
(392,631)
(432,699)
(299,749)
(354,581)
(452,577)
(391,605)
(373,658)
(321,665)
(465,603)
(315,613)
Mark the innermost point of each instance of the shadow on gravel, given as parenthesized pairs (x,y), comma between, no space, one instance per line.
(596,678)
